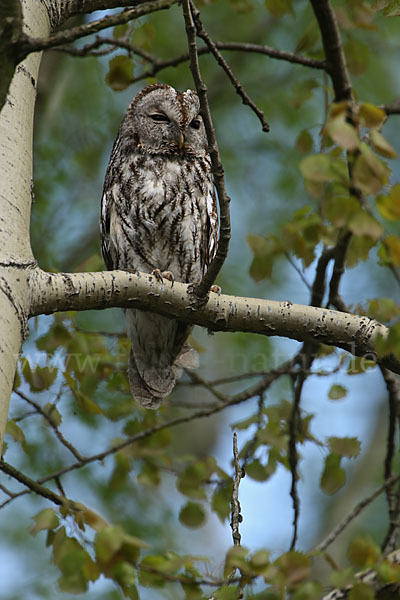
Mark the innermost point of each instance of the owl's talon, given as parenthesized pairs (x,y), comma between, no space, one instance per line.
(170,276)
(216,289)
(158,275)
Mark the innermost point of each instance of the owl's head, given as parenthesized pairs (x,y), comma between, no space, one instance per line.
(164,121)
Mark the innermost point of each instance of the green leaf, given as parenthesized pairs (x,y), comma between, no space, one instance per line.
(149,475)
(86,404)
(75,564)
(391,244)
(337,392)
(192,515)
(364,224)
(361,591)
(52,412)
(310,590)
(221,499)
(383,309)
(333,476)
(391,344)
(226,592)
(16,433)
(265,252)
(45,519)
(363,552)
(369,173)
(107,543)
(260,561)
(236,559)
(120,73)
(293,567)
(258,471)
(304,142)
(389,205)
(278,8)
(194,476)
(317,167)
(346,446)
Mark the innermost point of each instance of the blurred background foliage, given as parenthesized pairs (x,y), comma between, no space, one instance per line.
(78,376)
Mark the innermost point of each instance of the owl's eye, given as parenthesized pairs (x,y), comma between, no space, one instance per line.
(195,124)
(159,118)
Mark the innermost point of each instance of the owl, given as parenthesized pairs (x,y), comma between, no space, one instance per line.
(159,215)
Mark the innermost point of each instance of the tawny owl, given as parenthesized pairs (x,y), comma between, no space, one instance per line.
(159,214)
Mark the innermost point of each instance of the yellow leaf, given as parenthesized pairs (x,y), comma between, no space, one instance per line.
(389,206)
(342,133)
(381,144)
(371,116)
(392,243)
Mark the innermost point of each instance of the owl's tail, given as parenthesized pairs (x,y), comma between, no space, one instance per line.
(157,356)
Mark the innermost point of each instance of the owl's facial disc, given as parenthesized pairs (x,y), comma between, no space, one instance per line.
(167,122)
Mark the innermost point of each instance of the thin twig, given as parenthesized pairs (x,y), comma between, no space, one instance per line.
(215,266)
(393,388)
(290,57)
(37,487)
(336,531)
(28,45)
(252,391)
(202,33)
(52,424)
(236,516)
(298,270)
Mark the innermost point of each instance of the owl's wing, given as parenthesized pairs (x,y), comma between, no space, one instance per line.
(107,204)
(211,237)
(105,220)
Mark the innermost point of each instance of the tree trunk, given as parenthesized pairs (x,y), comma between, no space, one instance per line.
(16,259)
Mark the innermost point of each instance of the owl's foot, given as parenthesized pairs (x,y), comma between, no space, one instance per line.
(170,276)
(216,289)
(160,276)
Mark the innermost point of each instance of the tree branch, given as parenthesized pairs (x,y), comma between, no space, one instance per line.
(202,289)
(55,292)
(202,33)
(335,59)
(27,44)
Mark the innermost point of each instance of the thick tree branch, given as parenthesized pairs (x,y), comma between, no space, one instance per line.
(51,292)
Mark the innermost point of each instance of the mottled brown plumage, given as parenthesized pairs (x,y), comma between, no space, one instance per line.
(159,212)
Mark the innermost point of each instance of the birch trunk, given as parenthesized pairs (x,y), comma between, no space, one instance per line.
(16,128)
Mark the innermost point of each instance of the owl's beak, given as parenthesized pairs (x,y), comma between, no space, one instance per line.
(181,140)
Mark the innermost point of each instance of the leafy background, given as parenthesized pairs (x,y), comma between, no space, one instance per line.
(155,491)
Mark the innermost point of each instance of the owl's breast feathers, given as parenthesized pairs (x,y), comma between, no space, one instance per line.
(159,211)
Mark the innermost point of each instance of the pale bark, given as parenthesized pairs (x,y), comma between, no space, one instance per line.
(52,292)
(16,127)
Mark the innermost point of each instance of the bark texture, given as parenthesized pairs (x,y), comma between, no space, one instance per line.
(52,292)
(16,127)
